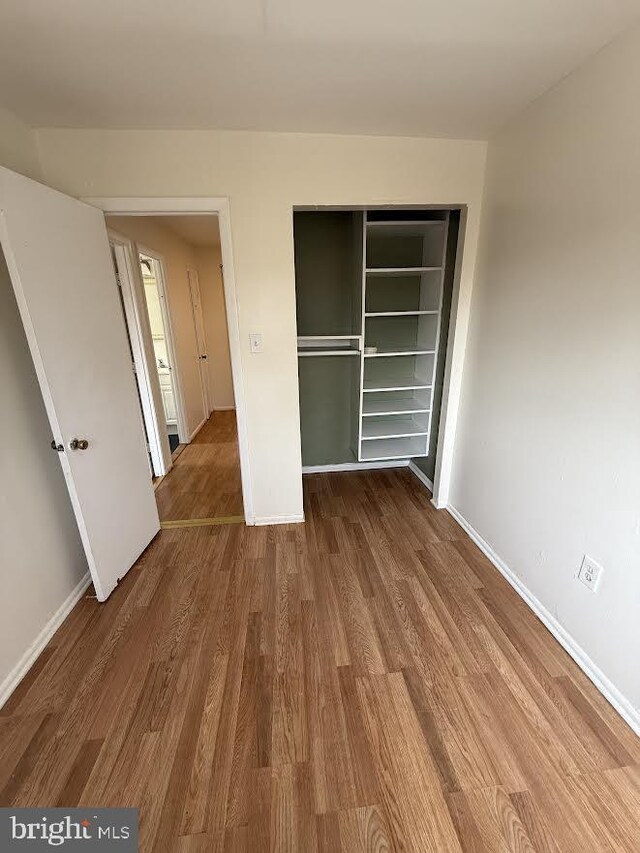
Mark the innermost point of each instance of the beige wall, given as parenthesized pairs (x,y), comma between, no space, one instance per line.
(264,175)
(18,146)
(178,256)
(208,262)
(548,452)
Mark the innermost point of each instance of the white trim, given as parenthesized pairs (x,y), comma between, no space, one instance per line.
(421,476)
(27,660)
(453,367)
(610,692)
(220,206)
(197,429)
(224,408)
(353,466)
(278,519)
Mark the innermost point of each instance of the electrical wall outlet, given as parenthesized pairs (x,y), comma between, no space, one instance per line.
(590,573)
(255,342)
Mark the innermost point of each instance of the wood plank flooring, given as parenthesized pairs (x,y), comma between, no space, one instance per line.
(205,479)
(363,682)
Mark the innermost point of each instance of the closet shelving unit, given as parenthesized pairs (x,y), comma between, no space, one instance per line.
(369,313)
(402,288)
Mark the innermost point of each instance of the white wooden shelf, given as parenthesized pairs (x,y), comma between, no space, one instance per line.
(315,345)
(397,406)
(393,448)
(398,313)
(396,351)
(408,384)
(413,226)
(398,426)
(315,351)
(400,270)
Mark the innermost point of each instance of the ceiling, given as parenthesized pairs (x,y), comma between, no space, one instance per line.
(454,68)
(197,230)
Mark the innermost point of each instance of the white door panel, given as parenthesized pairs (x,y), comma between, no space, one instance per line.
(168,397)
(201,340)
(59,261)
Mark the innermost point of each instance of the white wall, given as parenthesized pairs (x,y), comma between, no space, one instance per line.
(178,256)
(264,175)
(208,262)
(547,461)
(41,556)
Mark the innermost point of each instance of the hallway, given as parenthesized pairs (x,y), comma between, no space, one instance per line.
(205,479)
(365,681)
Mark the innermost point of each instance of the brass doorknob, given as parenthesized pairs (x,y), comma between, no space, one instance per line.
(78,444)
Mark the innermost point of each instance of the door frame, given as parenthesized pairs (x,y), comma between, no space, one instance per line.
(137,320)
(453,370)
(170,206)
(165,308)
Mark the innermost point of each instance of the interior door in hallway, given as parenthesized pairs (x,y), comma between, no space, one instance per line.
(59,260)
(201,341)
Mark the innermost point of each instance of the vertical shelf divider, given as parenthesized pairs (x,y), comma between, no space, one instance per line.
(362,324)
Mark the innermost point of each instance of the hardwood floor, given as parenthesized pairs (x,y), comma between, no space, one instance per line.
(205,479)
(363,682)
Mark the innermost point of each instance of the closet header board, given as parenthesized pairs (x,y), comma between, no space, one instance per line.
(369,287)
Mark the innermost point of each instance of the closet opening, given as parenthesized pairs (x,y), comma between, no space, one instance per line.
(374,294)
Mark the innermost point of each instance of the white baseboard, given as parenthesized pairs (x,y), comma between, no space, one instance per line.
(278,519)
(354,466)
(421,476)
(224,408)
(610,692)
(29,657)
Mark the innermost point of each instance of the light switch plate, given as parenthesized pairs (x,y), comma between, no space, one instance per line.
(255,343)
(590,573)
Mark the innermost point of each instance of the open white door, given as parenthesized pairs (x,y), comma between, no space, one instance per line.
(57,253)
(201,340)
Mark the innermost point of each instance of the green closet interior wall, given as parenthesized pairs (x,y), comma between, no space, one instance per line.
(328,269)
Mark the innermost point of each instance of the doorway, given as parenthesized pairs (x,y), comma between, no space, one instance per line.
(182,324)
